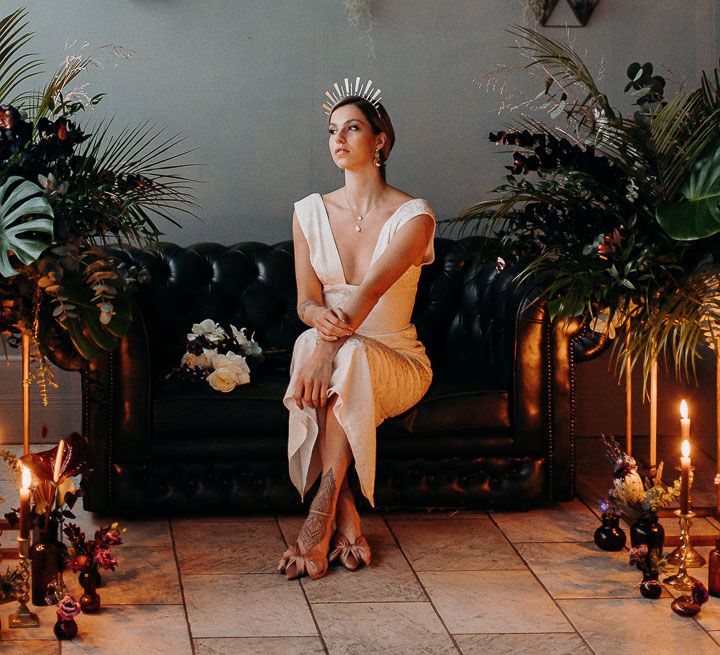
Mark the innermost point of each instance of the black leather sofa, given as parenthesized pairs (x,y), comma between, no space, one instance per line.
(496,428)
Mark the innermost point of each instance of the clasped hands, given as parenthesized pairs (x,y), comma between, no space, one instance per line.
(314,378)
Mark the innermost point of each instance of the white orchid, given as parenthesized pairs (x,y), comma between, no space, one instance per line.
(249,346)
(208,329)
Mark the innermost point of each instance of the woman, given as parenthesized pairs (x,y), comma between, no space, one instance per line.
(358,252)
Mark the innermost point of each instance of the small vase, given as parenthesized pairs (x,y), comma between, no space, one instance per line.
(90,600)
(65,629)
(649,531)
(650,587)
(685,606)
(610,536)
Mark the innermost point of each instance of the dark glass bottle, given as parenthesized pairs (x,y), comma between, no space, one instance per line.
(714,570)
(44,561)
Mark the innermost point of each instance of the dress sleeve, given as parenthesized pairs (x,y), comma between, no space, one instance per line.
(413,209)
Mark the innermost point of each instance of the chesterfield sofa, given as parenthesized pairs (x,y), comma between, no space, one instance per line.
(495,429)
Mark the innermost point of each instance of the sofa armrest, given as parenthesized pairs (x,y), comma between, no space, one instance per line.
(116,411)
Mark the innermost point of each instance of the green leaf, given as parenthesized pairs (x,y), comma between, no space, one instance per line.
(698,216)
(20,200)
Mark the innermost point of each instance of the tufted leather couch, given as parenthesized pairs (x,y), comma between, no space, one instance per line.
(496,428)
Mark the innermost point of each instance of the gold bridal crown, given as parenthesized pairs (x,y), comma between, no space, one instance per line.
(367,92)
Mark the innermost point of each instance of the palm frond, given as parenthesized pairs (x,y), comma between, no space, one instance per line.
(16,67)
(564,65)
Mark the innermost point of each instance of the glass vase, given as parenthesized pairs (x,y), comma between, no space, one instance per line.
(650,587)
(90,600)
(65,629)
(649,531)
(610,536)
(44,561)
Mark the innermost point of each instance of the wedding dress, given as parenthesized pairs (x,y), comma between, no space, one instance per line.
(379,372)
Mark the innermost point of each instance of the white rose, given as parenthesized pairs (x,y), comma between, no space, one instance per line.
(235,363)
(223,379)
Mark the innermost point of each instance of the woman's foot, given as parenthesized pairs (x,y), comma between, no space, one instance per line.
(348,545)
(309,555)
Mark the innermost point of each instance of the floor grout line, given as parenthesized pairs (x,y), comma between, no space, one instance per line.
(182,586)
(422,586)
(532,572)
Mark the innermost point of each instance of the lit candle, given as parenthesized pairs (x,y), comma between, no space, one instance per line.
(684,421)
(58,461)
(685,477)
(25,504)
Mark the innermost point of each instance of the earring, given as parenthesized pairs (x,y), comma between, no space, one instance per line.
(376,159)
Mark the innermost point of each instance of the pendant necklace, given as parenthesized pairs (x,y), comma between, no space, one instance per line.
(356,215)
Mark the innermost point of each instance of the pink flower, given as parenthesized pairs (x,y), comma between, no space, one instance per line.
(104,559)
(638,555)
(699,593)
(112,537)
(68,608)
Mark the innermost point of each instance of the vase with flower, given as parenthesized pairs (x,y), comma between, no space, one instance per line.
(638,499)
(651,563)
(87,557)
(609,536)
(65,627)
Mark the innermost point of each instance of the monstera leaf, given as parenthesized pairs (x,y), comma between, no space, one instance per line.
(18,231)
(697,216)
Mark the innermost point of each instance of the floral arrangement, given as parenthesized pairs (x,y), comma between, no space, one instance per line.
(217,356)
(53,491)
(647,560)
(89,556)
(613,216)
(631,495)
(66,191)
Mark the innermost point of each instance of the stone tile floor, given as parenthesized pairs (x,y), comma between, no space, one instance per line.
(441,582)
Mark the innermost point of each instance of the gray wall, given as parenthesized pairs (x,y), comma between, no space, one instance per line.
(244,79)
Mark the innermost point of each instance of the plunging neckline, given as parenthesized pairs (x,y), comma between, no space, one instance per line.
(377,241)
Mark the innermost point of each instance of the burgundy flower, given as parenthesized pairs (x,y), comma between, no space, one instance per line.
(112,537)
(76,459)
(105,560)
(699,593)
(8,117)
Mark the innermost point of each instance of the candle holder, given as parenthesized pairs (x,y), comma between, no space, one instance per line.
(681,580)
(24,618)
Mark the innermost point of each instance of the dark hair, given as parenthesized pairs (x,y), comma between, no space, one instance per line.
(379,122)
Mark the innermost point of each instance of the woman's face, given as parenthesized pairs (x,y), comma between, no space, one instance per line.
(352,141)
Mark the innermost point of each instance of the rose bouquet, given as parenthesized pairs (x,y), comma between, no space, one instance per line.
(632,495)
(217,356)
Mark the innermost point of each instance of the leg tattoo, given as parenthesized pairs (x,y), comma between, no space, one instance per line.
(315,525)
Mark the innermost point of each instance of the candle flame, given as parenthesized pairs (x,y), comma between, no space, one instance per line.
(26,477)
(683,409)
(685,448)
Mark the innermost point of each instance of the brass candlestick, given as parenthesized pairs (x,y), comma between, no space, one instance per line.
(681,580)
(24,618)
(693,559)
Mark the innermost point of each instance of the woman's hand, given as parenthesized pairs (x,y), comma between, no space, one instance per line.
(331,324)
(313,380)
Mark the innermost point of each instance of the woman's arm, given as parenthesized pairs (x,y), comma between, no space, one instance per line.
(406,248)
(310,307)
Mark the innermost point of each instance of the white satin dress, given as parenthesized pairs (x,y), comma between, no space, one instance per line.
(380,371)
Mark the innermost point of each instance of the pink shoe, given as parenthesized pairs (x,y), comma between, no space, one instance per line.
(351,556)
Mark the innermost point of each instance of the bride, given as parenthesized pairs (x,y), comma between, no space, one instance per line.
(358,252)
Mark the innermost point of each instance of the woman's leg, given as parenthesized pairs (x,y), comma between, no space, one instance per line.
(347,516)
(336,455)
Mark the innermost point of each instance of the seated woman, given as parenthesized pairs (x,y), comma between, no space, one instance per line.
(358,252)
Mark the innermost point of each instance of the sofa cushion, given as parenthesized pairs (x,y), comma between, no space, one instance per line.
(459,399)
(193,407)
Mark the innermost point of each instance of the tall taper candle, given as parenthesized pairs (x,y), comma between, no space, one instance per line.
(684,421)
(25,504)
(685,477)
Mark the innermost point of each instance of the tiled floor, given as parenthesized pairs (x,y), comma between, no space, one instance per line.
(466,582)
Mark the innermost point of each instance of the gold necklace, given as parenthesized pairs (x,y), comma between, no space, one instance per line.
(355,214)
